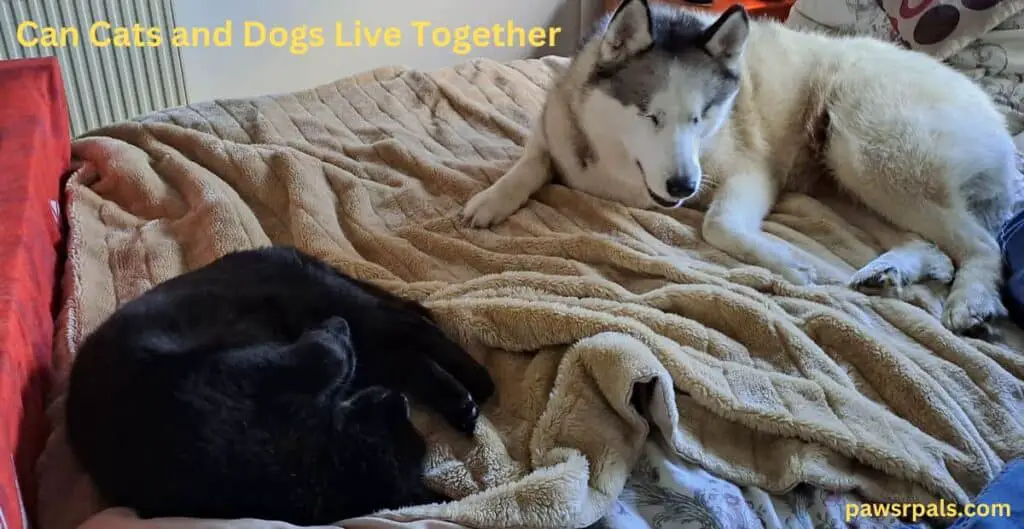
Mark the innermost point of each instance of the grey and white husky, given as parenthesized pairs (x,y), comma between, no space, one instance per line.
(662,103)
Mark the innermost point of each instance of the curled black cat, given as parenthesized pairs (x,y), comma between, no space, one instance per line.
(265,385)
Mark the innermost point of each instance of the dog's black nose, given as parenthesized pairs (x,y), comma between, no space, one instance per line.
(679,187)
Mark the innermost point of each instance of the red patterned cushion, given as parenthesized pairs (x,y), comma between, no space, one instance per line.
(35,154)
(943,27)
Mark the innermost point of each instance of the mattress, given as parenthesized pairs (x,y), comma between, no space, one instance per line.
(606,328)
(34,157)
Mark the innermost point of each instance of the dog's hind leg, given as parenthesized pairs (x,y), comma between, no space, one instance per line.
(506,196)
(909,260)
(919,194)
(974,297)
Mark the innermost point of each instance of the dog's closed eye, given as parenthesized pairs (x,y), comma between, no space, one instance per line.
(656,119)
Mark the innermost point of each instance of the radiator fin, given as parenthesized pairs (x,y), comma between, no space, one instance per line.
(104,84)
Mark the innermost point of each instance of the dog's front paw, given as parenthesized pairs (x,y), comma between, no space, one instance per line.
(487,208)
(781,261)
(799,273)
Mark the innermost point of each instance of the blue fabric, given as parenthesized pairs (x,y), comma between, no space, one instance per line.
(1011,240)
(1006,489)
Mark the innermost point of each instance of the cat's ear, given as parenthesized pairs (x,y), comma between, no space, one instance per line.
(726,38)
(338,328)
(629,32)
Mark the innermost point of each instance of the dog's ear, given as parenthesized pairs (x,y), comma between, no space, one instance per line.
(726,38)
(629,32)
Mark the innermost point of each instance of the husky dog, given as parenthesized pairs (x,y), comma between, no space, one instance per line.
(663,102)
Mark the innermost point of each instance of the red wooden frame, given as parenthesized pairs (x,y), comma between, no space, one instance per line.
(35,156)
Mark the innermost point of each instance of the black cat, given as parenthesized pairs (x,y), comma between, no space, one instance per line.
(265,385)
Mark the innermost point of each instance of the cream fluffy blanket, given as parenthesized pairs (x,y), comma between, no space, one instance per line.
(601,324)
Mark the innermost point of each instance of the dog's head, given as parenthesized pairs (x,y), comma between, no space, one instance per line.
(663,80)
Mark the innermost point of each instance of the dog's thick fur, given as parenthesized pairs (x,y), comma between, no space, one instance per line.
(664,106)
(265,385)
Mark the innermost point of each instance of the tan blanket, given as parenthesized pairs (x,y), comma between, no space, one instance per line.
(584,311)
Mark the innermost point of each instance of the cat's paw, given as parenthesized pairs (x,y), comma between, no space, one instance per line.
(463,416)
(455,375)
(480,384)
(381,401)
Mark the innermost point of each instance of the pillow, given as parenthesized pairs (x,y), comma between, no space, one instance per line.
(842,17)
(941,28)
(996,62)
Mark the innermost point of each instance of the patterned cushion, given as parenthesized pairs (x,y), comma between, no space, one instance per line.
(943,27)
(842,17)
(996,62)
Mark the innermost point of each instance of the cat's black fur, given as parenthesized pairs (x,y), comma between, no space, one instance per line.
(265,385)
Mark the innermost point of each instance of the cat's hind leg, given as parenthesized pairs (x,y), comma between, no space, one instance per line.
(417,320)
(454,359)
(427,382)
(445,377)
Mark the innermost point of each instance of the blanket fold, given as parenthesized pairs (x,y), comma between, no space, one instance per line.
(602,325)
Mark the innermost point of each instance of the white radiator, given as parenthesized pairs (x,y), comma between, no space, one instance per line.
(103,84)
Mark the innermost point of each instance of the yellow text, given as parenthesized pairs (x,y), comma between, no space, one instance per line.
(464,39)
(917,511)
(103,34)
(297,40)
(30,35)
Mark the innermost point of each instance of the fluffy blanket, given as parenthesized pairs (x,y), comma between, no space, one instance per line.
(602,324)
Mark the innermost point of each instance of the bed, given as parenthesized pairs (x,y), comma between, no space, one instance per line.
(643,376)
(646,380)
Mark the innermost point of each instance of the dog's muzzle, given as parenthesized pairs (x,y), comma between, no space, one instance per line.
(657,200)
(662,202)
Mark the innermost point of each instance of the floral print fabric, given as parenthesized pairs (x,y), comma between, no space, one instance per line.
(665,493)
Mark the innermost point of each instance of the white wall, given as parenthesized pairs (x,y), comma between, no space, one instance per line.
(238,71)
